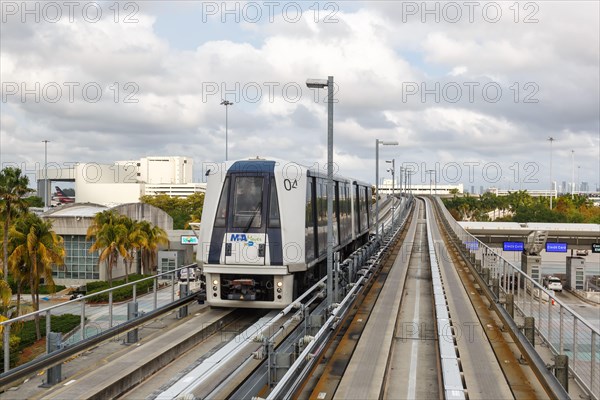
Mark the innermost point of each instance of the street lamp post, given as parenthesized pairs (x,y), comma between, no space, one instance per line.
(320,84)
(429,172)
(551,140)
(377,143)
(393,171)
(401,172)
(45,173)
(226,103)
(578,184)
(572,174)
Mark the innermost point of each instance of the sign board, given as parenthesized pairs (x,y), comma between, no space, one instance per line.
(513,246)
(556,247)
(472,245)
(595,247)
(189,239)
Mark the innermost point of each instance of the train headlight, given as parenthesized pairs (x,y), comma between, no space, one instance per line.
(279,284)
(215,282)
(214,288)
(279,290)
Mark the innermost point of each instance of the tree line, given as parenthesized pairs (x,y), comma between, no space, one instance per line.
(520,206)
(182,210)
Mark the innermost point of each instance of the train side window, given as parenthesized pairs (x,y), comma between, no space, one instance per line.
(221,218)
(274,221)
(309,235)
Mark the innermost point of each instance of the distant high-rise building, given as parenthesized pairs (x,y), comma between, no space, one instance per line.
(584,187)
(174,170)
(563,187)
(472,189)
(480,189)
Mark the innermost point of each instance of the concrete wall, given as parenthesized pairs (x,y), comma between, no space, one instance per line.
(108,193)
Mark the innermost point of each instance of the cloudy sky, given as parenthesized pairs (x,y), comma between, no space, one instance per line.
(472,89)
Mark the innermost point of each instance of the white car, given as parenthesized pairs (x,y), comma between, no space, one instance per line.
(553,283)
(183,274)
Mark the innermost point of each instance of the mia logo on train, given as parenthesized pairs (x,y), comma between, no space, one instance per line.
(242,237)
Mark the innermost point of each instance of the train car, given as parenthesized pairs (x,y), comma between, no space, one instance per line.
(263,238)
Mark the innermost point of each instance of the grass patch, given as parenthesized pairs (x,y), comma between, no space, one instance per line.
(44,289)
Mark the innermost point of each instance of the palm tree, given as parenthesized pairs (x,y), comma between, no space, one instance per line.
(101,219)
(135,239)
(155,236)
(37,247)
(110,241)
(13,186)
(20,275)
(5,298)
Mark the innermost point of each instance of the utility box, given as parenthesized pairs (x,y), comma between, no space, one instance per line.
(575,273)
(532,266)
(169,260)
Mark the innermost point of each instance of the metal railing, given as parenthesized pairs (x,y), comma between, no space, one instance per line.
(97,318)
(563,330)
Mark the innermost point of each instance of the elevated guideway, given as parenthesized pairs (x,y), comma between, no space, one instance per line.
(424,336)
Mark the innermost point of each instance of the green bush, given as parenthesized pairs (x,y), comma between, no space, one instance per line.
(25,336)
(13,343)
(58,323)
(119,294)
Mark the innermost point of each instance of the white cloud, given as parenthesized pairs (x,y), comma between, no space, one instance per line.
(373,55)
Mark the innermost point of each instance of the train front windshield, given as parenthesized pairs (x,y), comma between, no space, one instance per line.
(248,202)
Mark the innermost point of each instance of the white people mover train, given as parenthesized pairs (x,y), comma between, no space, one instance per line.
(263,237)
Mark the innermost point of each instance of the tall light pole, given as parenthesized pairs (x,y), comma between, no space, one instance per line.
(572,174)
(45,173)
(226,103)
(401,169)
(578,184)
(393,171)
(377,143)
(430,172)
(551,140)
(320,84)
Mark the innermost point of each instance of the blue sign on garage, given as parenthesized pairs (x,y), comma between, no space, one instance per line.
(513,246)
(472,245)
(556,247)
